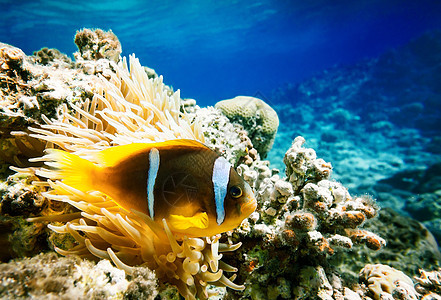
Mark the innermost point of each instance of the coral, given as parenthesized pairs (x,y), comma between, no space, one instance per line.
(47,275)
(189,106)
(313,281)
(11,62)
(19,238)
(29,90)
(302,164)
(97,44)
(45,56)
(142,285)
(257,117)
(410,247)
(289,248)
(31,87)
(302,220)
(46,93)
(20,198)
(367,141)
(220,134)
(429,282)
(385,282)
(421,190)
(14,75)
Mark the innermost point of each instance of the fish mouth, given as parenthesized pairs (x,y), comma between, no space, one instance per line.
(249,207)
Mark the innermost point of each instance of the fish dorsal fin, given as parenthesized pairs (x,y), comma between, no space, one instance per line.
(181,143)
(113,155)
(199,220)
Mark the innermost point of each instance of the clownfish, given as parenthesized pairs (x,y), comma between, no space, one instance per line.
(182,181)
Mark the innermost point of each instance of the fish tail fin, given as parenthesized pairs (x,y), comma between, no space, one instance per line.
(71,169)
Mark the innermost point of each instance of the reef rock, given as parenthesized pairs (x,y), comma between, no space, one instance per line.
(33,88)
(48,276)
(225,137)
(97,44)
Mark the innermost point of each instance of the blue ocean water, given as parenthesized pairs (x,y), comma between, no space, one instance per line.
(212,50)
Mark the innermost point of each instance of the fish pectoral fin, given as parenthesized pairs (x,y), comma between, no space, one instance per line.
(199,220)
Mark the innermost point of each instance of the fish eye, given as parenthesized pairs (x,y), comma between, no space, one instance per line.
(235,192)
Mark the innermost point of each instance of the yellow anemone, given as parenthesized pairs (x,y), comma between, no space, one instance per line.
(128,107)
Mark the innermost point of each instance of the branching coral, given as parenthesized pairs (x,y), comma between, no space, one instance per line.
(302,218)
(312,206)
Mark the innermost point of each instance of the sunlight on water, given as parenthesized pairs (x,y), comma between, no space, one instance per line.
(252,47)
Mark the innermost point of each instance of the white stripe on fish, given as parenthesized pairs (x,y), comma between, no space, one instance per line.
(151,179)
(221,177)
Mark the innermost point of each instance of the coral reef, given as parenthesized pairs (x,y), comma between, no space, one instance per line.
(420,191)
(19,199)
(361,119)
(31,87)
(302,220)
(410,247)
(383,282)
(47,275)
(35,89)
(308,239)
(257,118)
(45,56)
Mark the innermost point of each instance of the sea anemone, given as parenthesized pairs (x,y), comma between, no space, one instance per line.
(127,107)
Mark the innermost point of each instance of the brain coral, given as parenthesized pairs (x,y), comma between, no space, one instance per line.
(384,282)
(257,117)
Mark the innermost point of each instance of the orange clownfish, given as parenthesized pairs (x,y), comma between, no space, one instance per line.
(182,181)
